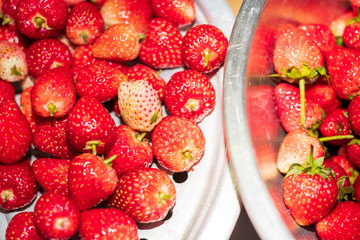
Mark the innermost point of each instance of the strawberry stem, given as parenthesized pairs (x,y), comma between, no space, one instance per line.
(6,195)
(164,196)
(302,102)
(39,22)
(85,36)
(154,117)
(52,109)
(6,20)
(140,137)
(92,145)
(15,71)
(188,155)
(337,137)
(206,54)
(142,37)
(109,160)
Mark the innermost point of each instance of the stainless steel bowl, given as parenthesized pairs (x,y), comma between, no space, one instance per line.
(253,132)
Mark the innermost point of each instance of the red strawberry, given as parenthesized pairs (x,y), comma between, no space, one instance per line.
(337,25)
(8,9)
(354,114)
(353,152)
(56,216)
(179,12)
(341,223)
(120,42)
(351,37)
(18,186)
(143,72)
(85,24)
(338,170)
(162,45)
(41,19)
(13,66)
(100,81)
(53,94)
(142,198)
(46,54)
(13,35)
(178,143)
(295,148)
(349,168)
(22,226)
(90,180)
(108,223)
(139,105)
(189,94)
(73,2)
(336,123)
(287,100)
(52,174)
(15,132)
(137,13)
(26,108)
(131,149)
(343,67)
(356,187)
(7,91)
(309,191)
(90,126)
(204,48)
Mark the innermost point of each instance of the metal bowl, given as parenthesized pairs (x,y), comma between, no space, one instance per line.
(252,129)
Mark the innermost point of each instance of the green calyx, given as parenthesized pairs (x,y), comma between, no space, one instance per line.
(40,22)
(163,196)
(52,108)
(354,141)
(85,36)
(92,145)
(187,155)
(206,55)
(16,71)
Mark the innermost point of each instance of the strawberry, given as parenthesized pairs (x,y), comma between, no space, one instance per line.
(143,72)
(52,174)
(90,180)
(100,81)
(353,152)
(108,223)
(137,13)
(7,91)
(18,186)
(90,128)
(295,147)
(13,35)
(204,48)
(85,24)
(338,170)
(46,54)
(351,37)
(99,3)
(356,187)
(13,66)
(15,132)
(161,47)
(189,94)
(139,105)
(120,42)
(337,25)
(178,143)
(56,216)
(341,223)
(336,123)
(132,151)
(53,94)
(73,2)
(26,108)
(354,114)
(179,12)
(288,107)
(349,168)
(8,9)
(142,198)
(41,19)
(50,137)
(343,68)
(22,226)
(309,191)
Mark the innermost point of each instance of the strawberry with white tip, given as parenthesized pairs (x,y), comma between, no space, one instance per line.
(13,66)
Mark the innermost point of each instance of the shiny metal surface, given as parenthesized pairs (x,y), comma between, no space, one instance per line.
(252,130)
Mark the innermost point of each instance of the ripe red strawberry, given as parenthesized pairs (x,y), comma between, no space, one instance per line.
(22,226)
(356,187)
(338,170)
(287,100)
(341,223)
(343,68)
(142,198)
(309,191)
(137,13)
(108,223)
(139,105)
(26,108)
(349,168)
(295,148)
(7,91)
(353,152)
(354,114)
(179,12)
(8,9)
(337,25)
(336,123)
(50,137)
(351,38)
(162,45)
(52,174)
(18,186)
(56,216)
(204,48)
(90,128)
(13,35)
(15,132)
(53,94)
(143,72)
(85,24)
(120,42)
(90,180)
(73,2)
(46,54)
(100,81)
(178,143)
(189,94)
(13,66)
(132,151)
(41,19)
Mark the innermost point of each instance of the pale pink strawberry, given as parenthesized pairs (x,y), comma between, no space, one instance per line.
(13,66)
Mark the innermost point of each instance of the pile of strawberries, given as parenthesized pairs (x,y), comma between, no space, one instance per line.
(76,62)
(318,104)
